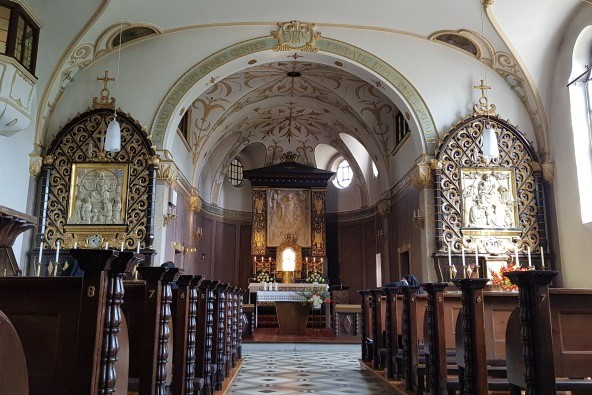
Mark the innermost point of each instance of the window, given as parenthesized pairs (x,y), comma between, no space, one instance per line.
(133,33)
(19,35)
(184,126)
(402,128)
(235,172)
(344,175)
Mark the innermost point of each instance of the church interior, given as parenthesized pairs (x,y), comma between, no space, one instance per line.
(238,171)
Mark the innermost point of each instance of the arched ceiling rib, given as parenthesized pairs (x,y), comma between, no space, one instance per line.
(293,106)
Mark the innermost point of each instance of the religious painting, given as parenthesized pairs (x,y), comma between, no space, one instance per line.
(488,199)
(98,194)
(288,214)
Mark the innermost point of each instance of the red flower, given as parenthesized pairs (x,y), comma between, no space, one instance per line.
(501,281)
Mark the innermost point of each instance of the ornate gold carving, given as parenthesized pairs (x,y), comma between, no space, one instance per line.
(296,35)
(461,151)
(549,172)
(259,236)
(436,164)
(318,223)
(384,207)
(79,143)
(35,164)
(103,101)
(422,175)
(154,159)
(290,157)
(483,107)
(167,172)
(195,203)
(48,160)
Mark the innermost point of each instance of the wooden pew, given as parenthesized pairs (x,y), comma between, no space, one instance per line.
(377,316)
(219,336)
(70,327)
(13,365)
(148,312)
(548,346)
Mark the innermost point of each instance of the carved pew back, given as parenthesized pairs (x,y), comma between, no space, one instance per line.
(70,327)
(13,365)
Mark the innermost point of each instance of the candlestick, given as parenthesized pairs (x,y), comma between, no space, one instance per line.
(542,259)
(476,257)
(121,246)
(57,257)
(106,245)
(529,261)
(40,252)
(516,256)
(75,245)
(462,251)
(449,255)
(138,247)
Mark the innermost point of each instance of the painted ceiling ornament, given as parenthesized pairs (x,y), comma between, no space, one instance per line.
(296,35)
(290,157)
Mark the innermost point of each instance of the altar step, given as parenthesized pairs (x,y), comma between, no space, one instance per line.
(269,320)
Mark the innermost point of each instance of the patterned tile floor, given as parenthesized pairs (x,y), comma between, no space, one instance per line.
(279,369)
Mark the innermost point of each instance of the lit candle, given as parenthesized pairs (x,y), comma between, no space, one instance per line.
(529,261)
(57,257)
(314,259)
(542,259)
(75,245)
(476,257)
(516,256)
(254,259)
(40,252)
(462,251)
(449,255)
(306,259)
(138,247)
(106,245)
(121,246)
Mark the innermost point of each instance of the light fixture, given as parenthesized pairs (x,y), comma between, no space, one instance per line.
(198,234)
(113,134)
(489,143)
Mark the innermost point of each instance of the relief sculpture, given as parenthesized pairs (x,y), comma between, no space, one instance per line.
(98,194)
(488,199)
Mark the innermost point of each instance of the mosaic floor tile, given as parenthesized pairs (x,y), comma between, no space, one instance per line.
(305,372)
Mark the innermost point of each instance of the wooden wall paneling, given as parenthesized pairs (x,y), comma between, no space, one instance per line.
(245,266)
(352,259)
(225,251)
(370,244)
(207,243)
(335,268)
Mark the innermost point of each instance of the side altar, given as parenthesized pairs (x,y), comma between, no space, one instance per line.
(287,298)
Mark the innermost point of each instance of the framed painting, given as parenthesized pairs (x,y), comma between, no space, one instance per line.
(98,194)
(288,214)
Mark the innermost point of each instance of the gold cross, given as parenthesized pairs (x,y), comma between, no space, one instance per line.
(483,88)
(105,79)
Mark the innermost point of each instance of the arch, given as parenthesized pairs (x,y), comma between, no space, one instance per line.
(163,120)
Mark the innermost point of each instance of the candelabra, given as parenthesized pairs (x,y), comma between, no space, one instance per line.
(417,219)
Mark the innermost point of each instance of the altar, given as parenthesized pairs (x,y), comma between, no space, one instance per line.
(291,313)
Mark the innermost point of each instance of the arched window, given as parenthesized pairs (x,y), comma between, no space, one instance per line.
(235,172)
(344,175)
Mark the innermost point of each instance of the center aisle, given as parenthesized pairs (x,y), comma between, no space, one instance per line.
(284,368)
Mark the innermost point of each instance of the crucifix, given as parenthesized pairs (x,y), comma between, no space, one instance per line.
(482,87)
(103,101)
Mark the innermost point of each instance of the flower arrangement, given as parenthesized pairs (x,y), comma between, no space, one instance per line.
(262,277)
(315,277)
(315,296)
(502,282)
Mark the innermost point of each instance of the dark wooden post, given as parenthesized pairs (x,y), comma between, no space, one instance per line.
(184,335)
(219,336)
(122,265)
(365,304)
(472,314)
(376,321)
(392,336)
(535,319)
(205,319)
(241,323)
(409,323)
(93,319)
(436,371)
